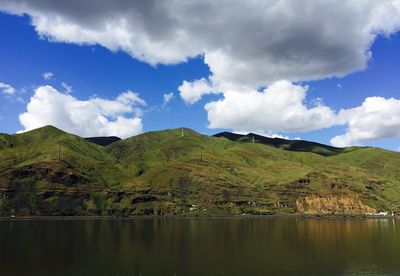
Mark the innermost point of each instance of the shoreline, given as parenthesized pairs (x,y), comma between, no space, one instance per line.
(241,217)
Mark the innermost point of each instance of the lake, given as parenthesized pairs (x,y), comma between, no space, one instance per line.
(218,246)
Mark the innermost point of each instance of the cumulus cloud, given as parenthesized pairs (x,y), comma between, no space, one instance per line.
(47,75)
(377,118)
(246,44)
(192,92)
(7,88)
(167,97)
(280,107)
(267,40)
(92,117)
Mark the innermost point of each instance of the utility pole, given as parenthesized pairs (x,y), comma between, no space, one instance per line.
(59,152)
(253,139)
(182,134)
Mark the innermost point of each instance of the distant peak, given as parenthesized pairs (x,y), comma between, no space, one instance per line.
(290,145)
(103,141)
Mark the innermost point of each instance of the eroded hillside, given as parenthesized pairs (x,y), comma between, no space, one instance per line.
(181,172)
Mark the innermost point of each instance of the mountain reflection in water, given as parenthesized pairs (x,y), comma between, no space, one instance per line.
(200,247)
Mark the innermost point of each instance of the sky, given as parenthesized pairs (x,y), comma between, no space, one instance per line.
(325,71)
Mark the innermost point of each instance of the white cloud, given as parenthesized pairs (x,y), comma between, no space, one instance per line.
(47,75)
(93,117)
(267,134)
(6,88)
(277,135)
(67,88)
(280,136)
(167,97)
(269,40)
(192,92)
(377,118)
(280,107)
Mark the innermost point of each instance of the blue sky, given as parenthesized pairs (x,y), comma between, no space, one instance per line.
(95,71)
(92,70)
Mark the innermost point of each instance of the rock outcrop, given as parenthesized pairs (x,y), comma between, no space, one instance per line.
(332,204)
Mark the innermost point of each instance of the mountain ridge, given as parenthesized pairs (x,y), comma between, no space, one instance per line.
(103,140)
(181,172)
(286,144)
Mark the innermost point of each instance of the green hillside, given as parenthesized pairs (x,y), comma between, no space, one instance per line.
(181,172)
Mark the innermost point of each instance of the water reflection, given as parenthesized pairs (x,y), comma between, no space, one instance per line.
(200,247)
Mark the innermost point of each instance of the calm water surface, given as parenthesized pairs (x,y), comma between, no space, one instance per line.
(200,247)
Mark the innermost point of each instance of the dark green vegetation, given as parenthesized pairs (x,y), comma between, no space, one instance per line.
(180,172)
(103,141)
(291,145)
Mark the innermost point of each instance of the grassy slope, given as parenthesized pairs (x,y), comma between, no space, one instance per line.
(381,163)
(207,170)
(44,146)
(165,173)
(37,182)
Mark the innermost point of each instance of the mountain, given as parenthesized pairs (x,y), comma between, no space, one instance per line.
(291,145)
(181,172)
(103,141)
